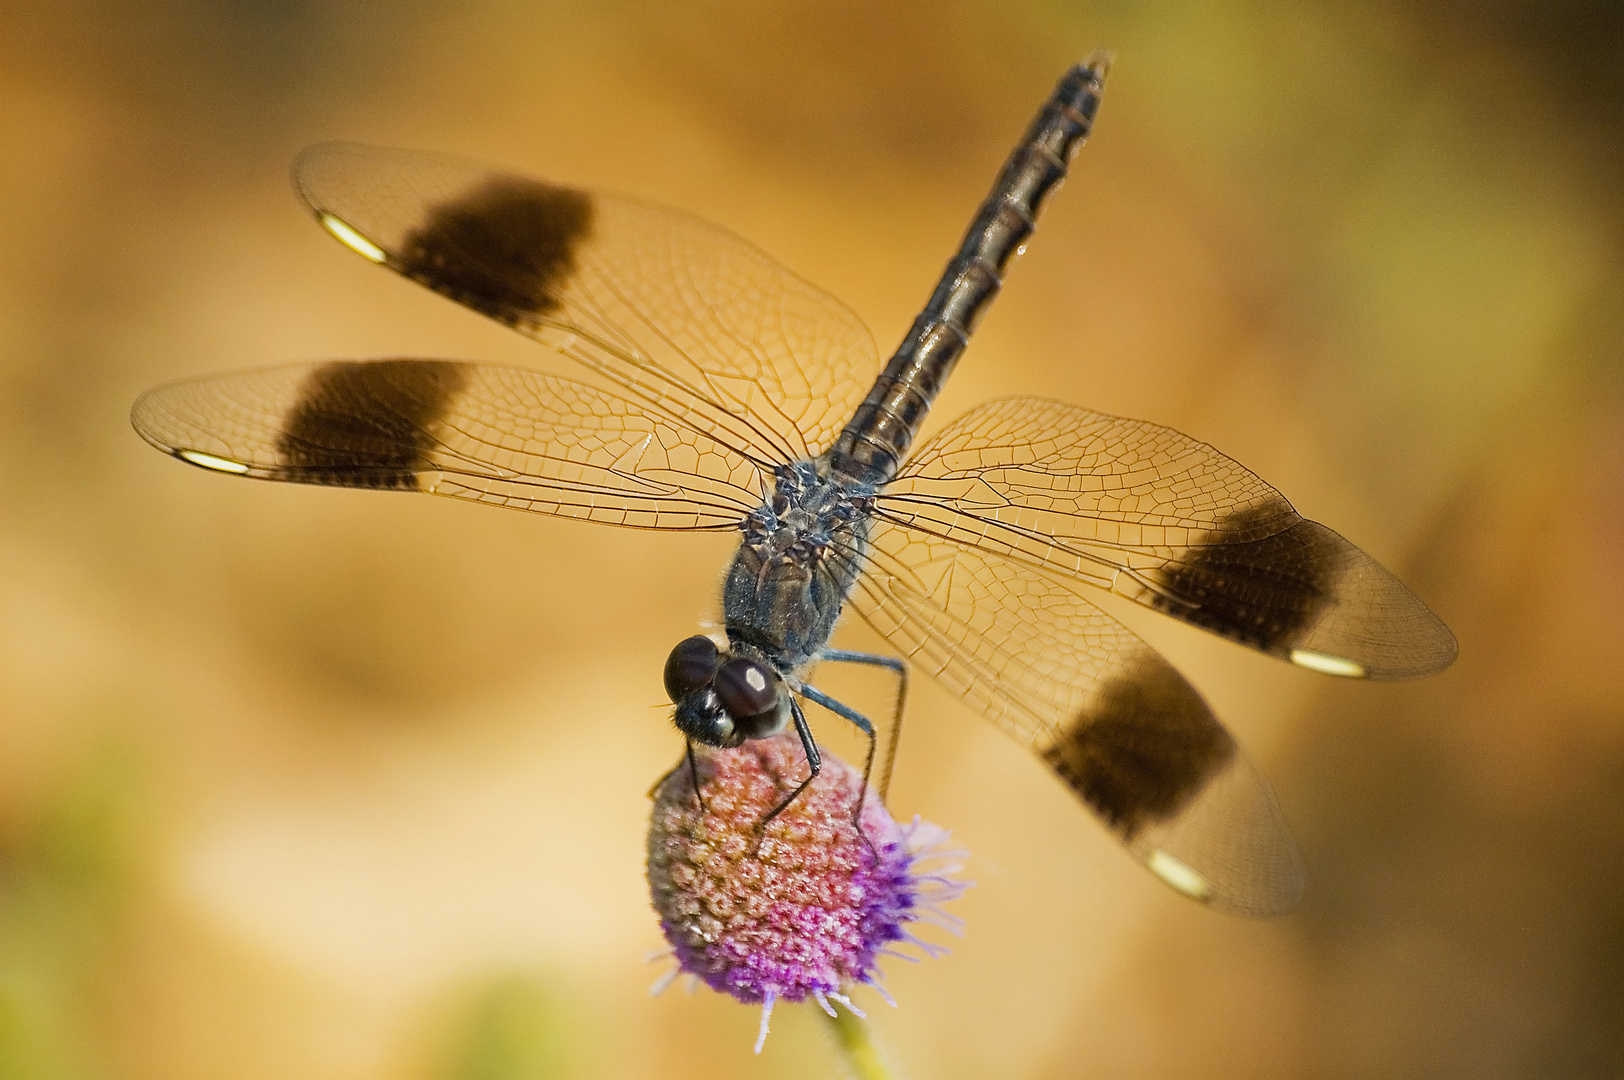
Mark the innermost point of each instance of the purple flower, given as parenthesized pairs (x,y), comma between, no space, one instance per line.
(802,907)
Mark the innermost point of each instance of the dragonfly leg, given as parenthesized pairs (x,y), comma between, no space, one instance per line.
(693,773)
(812,693)
(900,669)
(814,762)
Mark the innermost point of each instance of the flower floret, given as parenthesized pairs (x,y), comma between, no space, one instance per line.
(803,906)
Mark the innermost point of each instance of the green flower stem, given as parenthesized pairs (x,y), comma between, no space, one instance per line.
(862,1056)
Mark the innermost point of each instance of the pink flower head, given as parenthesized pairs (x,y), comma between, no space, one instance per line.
(802,907)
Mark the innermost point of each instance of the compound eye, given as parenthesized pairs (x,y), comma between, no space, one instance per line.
(691,665)
(746,688)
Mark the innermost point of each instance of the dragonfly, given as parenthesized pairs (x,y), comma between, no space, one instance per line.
(733,396)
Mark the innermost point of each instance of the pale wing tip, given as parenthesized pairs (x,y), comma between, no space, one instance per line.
(320,173)
(1424,646)
(1283,902)
(1376,628)
(318,158)
(148,417)
(1435,649)
(314,173)
(1270,890)
(1275,887)
(1230,849)
(144,414)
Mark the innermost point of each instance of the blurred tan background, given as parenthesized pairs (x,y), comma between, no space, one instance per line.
(351,786)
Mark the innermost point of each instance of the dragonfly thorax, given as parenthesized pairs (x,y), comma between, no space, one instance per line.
(799,557)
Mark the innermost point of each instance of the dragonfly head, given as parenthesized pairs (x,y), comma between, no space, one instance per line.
(723,702)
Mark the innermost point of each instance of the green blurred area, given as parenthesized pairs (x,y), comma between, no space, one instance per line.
(515,1028)
(67,868)
(343,785)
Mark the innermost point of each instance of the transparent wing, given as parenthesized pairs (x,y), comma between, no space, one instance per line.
(1170,523)
(1102,708)
(480,432)
(705,328)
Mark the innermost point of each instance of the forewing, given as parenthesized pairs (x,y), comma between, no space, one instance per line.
(1109,715)
(703,326)
(481,432)
(1170,523)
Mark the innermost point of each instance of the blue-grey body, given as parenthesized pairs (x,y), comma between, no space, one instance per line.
(799,558)
(804,549)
